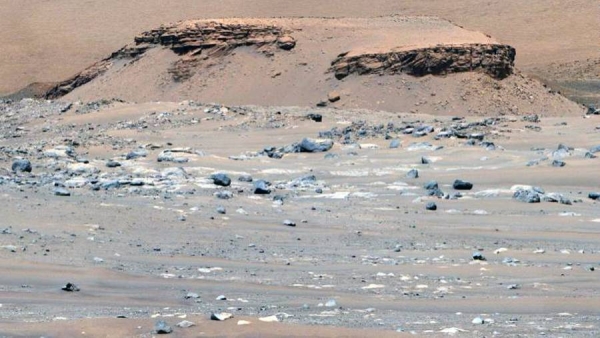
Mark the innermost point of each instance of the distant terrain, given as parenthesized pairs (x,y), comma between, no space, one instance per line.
(50,41)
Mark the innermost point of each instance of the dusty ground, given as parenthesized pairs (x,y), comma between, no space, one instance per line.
(363,237)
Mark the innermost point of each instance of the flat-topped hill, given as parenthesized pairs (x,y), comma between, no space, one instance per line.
(408,64)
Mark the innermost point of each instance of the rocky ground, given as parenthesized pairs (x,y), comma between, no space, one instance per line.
(165,214)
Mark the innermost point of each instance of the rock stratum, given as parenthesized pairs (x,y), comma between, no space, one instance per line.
(494,60)
(192,41)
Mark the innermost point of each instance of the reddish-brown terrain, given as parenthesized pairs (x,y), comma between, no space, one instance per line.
(291,169)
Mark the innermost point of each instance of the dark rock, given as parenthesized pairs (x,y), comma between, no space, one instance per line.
(21,165)
(322,104)
(413,173)
(527,196)
(488,145)
(558,163)
(221,210)
(245,178)
(289,223)
(431,185)
(221,179)
(161,327)
(422,130)
(70,287)
(493,59)
(315,117)
(462,185)
(534,118)
(113,164)
(594,195)
(136,154)
(435,192)
(395,144)
(425,160)
(593,111)
(223,194)
(595,149)
(261,187)
(333,96)
(477,256)
(286,42)
(61,192)
(431,206)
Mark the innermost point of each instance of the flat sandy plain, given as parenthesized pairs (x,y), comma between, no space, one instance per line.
(363,237)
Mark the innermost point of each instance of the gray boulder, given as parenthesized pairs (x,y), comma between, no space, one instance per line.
(221,179)
(527,196)
(21,165)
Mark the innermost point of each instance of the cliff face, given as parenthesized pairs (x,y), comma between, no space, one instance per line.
(195,37)
(493,59)
(193,42)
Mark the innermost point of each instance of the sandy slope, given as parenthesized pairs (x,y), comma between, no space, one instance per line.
(49,41)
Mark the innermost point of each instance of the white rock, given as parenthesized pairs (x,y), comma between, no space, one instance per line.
(477,321)
(500,250)
(269,319)
(373,286)
(221,316)
(185,323)
(452,330)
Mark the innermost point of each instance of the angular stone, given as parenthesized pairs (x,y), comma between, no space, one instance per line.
(161,327)
(221,179)
(261,187)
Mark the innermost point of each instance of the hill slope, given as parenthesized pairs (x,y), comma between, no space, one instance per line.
(408,64)
(50,41)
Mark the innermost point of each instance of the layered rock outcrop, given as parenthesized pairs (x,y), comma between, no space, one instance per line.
(193,41)
(493,59)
